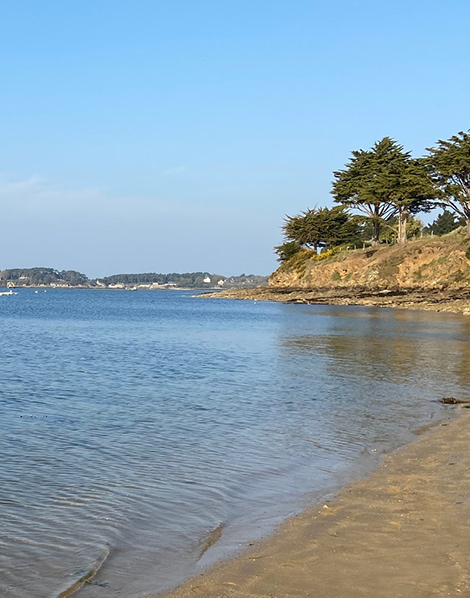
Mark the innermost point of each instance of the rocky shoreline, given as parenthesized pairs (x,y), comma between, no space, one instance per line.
(456,300)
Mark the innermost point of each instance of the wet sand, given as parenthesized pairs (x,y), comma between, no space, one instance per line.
(404,531)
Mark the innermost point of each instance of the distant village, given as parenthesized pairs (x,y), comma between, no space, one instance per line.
(60,279)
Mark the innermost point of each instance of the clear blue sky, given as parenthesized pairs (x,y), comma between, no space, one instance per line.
(174,136)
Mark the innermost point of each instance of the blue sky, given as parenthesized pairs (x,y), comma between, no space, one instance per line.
(174,136)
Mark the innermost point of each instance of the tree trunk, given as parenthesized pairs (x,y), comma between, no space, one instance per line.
(375,232)
(468,227)
(403,227)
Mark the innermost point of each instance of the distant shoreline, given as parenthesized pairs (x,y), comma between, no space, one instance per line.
(46,287)
(40,277)
(96,288)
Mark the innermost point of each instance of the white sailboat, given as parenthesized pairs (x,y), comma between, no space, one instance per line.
(10,292)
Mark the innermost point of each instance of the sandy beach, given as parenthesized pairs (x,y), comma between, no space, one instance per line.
(404,531)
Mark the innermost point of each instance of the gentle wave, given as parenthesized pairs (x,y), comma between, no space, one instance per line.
(159,430)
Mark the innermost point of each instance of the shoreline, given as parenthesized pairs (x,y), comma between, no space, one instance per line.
(432,299)
(402,531)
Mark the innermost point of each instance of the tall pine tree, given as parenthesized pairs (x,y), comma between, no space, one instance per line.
(382,182)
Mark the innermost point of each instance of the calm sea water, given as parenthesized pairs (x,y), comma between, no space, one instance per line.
(133,425)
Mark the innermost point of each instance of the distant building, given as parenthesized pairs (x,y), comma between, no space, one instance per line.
(207,279)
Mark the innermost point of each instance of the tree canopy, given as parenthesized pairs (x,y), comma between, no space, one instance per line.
(286,250)
(383,182)
(321,227)
(387,187)
(445,223)
(449,165)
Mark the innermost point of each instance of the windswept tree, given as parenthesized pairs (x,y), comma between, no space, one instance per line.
(321,227)
(286,250)
(449,164)
(383,182)
(305,229)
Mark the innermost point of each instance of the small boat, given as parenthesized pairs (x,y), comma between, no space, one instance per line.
(10,292)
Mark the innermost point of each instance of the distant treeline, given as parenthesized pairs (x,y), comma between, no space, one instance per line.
(188,279)
(43,276)
(71,278)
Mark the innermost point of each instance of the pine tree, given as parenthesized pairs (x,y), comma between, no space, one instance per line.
(322,227)
(383,182)
(445,223)
(449,165)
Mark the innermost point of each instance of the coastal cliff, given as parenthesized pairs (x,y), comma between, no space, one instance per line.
(429,274)
(432,263)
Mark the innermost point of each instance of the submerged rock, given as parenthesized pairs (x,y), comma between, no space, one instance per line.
(452,401)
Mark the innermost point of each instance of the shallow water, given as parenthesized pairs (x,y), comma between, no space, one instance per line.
(134,424)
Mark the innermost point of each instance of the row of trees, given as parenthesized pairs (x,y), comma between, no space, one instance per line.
(35,276)
(187,279)
(190,280)
(384,185)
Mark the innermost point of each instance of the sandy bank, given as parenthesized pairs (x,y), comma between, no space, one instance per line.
(446,300)
(404,531)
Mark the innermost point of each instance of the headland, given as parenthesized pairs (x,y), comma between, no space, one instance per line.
(429,274)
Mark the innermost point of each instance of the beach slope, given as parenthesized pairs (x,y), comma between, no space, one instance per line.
(404,531)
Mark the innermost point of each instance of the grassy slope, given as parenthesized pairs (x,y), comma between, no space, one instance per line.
(432,263)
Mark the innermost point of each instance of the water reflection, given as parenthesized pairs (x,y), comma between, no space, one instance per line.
(373,375)
(387,346)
